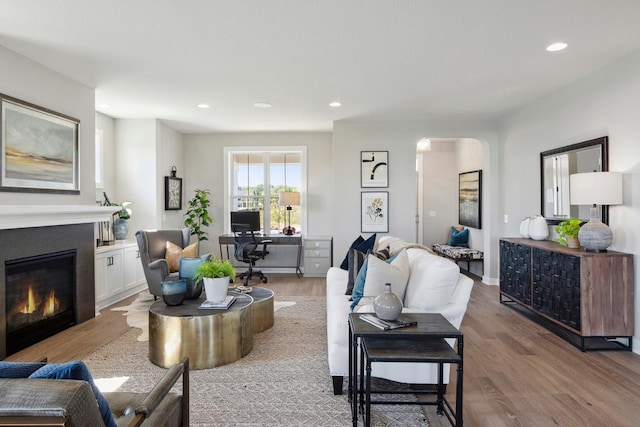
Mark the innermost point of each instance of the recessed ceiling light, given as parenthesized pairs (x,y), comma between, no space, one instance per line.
(262,105)
(104,106)
(203,106)
(335,104)
(556,47)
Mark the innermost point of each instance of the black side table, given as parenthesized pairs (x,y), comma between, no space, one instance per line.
(422,343)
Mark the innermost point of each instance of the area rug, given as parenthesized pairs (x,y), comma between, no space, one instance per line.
(284,381)
(137,312)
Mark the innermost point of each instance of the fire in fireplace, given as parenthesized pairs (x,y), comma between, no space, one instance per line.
(40,297)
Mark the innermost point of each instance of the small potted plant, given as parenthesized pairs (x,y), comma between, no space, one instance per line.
(567,232)
(216,275)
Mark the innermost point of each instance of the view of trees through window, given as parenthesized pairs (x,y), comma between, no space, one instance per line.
(258,178)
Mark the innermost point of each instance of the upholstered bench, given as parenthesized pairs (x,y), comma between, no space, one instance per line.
(459,253)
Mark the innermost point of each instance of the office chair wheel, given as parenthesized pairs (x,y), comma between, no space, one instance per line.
(264,280)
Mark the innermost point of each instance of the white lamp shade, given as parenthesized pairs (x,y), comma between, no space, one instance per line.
(596,188)
(289,198)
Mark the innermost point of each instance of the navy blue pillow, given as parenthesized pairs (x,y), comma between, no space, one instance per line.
(345,262)
(364,246)
(77,370)
(459,238)
(19,369)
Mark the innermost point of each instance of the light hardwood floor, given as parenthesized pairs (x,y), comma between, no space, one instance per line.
(516,373)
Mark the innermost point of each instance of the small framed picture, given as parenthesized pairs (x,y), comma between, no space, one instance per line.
(172,193)
(374,217)
(374,169)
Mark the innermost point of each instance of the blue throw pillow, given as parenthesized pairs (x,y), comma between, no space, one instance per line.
(459,238)
(77,370)
(19,369)
(345,262)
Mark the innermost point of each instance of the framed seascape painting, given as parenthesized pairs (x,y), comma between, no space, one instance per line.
(374,217)
(374,169)
(39,149)
(470,199)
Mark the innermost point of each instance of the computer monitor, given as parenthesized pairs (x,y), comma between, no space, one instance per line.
(247,217)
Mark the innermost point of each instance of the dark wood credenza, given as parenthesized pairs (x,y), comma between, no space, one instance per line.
(585,297)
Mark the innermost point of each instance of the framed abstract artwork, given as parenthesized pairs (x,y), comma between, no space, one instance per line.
(374,217)
(374,169)
(470,199)
(39,149)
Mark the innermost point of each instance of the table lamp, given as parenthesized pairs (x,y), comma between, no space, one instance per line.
(595,188)
(288,199)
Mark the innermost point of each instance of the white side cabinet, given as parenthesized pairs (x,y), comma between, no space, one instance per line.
(118,273)
(318,255)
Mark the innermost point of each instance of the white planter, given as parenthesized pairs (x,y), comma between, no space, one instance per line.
(216,289)
(538,228)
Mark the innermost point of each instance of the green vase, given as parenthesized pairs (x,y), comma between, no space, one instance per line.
(120,228)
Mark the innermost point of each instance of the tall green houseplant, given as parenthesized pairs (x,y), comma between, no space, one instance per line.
(197,215)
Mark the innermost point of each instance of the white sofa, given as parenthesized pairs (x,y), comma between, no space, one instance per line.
(435,285)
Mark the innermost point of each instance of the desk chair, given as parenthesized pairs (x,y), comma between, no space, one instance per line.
(246,250)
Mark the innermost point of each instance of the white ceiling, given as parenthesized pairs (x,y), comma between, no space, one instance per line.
(383,59)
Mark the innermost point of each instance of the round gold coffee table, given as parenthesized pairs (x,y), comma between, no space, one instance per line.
(262,309)
(209,337)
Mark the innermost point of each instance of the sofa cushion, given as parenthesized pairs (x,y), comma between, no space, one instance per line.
(376,272)
(174,253)
(356,260)
(19,369)
(361,245)
(459,237)
(431,282)
(77,370)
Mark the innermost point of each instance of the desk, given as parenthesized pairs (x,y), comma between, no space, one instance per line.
(276,239)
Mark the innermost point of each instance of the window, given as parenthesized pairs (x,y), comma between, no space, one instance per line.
(255,179)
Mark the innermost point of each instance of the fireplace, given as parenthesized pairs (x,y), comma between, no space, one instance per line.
(39,297)
(34,244)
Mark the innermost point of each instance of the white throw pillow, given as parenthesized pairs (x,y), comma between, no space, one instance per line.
(380,272)
(431,283)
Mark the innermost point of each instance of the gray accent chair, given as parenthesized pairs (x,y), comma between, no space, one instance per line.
(152,245)
(71,403)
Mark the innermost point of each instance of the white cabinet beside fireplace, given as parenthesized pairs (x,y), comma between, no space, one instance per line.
(118,273)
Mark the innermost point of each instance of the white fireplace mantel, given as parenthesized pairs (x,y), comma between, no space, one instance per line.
(26,216)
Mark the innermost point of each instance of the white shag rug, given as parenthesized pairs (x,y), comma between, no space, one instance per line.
(137,312)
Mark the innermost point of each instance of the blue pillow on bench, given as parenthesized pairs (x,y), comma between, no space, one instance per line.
(77,370)
(459,238)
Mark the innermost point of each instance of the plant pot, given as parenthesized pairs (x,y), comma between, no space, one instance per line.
(216,288)
(573,242)
(120,228)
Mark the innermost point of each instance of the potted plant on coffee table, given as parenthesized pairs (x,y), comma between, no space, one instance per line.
(567,232)
(216,274)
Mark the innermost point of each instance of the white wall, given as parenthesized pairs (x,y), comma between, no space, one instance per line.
(136,176)
(440,190)
(107,125)
(204,156)
(170,153)
(29,81)
(400,138)
(603,103)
